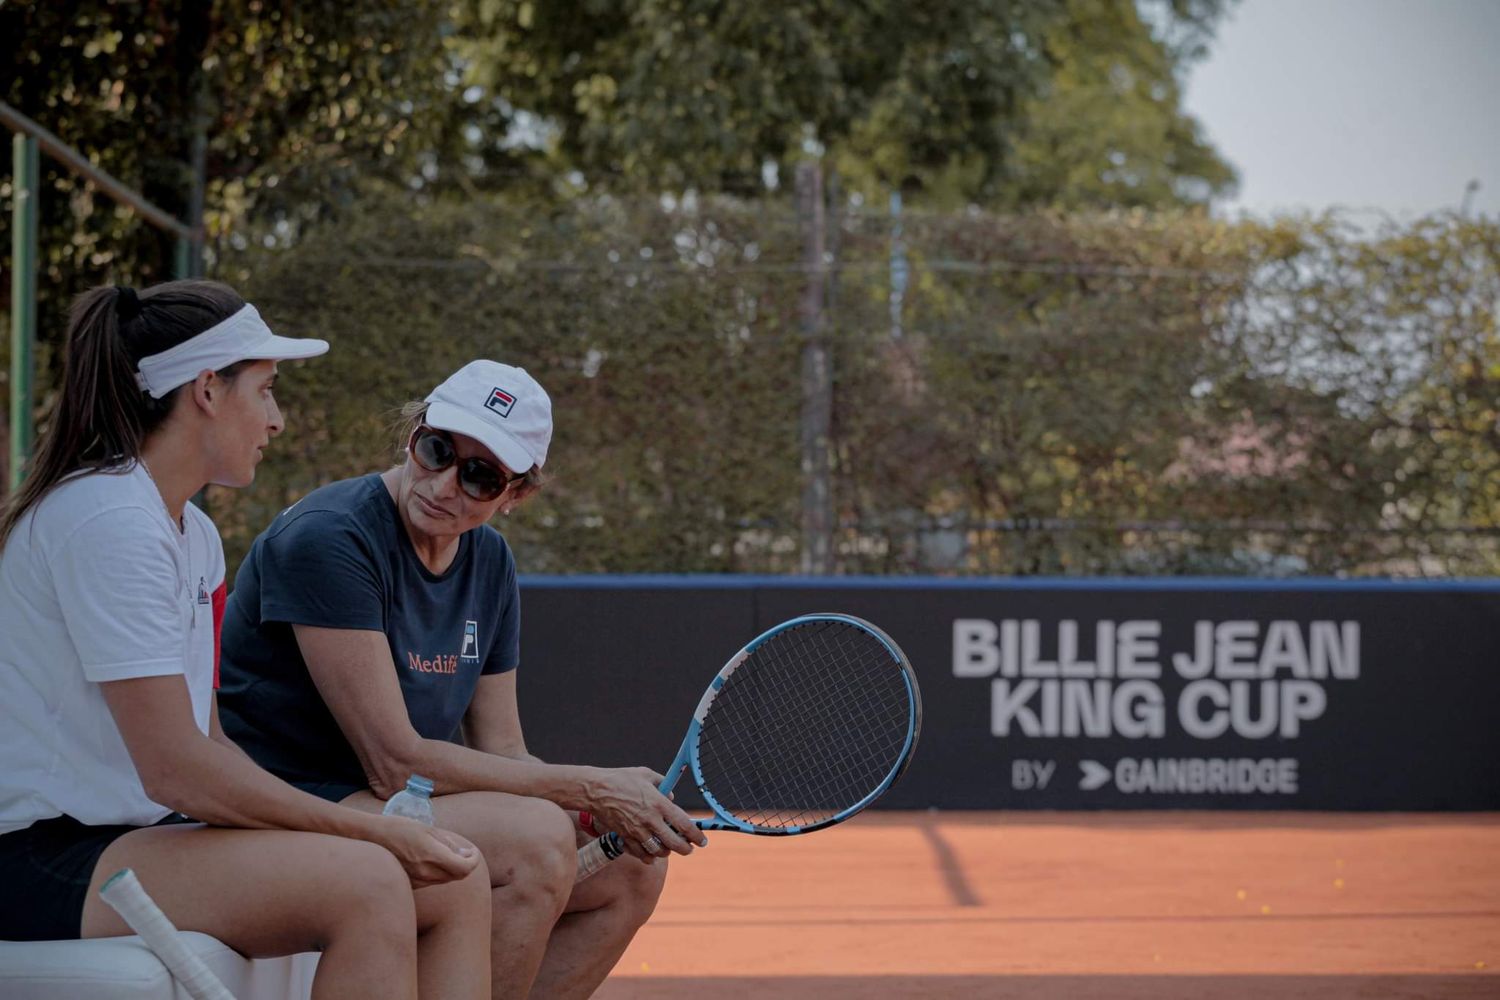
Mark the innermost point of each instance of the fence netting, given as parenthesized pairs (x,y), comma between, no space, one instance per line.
(1037,394)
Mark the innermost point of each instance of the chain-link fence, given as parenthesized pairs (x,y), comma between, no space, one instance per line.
(1038,394)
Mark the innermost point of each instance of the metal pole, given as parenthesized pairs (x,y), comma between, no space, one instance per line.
(187,260)
(182,258)
(200,182)
(817,383)
(899,271)
(77,164)
(26,185)
(30,140)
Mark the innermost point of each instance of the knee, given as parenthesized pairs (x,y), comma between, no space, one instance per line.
(463,902)
(473,890)
(640,888)
(371,897)
(537,860)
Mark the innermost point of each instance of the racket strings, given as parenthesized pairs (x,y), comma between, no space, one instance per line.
(775,791)
(828,760)
(815,720)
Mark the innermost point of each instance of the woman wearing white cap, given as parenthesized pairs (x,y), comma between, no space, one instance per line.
(111,595)
(378,616)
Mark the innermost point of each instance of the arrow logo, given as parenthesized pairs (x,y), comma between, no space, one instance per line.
(1094,775)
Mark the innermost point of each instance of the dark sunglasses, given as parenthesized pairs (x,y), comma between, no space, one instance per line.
(483,481)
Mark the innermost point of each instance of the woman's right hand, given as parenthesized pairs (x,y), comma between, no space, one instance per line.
(626,800)
(431,856)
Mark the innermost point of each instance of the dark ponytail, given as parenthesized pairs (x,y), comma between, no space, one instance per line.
(101,419)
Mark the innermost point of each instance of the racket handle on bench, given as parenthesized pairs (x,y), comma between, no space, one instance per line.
(597,853)
(123,891)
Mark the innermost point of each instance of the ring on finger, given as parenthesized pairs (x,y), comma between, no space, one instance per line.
(653,845)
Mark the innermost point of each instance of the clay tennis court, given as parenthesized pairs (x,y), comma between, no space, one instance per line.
(1084,905)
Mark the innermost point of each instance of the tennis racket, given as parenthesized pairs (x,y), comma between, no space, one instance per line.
(801,729)
(125,893)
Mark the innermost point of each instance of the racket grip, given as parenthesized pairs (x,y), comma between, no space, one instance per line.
(597,853)
(124,892)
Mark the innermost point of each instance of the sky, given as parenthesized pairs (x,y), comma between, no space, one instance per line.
(1384,105)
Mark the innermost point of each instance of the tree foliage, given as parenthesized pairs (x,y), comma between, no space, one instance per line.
(1063,393)
(297,103)
(1382,352)
(1107,128)
(1000,102)
(1010,102)
(1073,390)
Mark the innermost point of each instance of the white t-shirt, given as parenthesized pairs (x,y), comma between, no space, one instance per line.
(97,584)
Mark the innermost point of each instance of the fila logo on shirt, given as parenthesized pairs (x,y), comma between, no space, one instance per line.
(500,401)
(470,652)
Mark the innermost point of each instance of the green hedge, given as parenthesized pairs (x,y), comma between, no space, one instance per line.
(1055,394)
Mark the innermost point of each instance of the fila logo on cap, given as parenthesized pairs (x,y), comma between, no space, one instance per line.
(500,401)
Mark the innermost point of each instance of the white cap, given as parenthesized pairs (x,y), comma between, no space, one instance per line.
(244,336)
(501,407)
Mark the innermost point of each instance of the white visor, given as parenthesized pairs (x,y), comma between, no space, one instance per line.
(242,337)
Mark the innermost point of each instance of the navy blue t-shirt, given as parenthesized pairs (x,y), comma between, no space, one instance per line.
(340,558)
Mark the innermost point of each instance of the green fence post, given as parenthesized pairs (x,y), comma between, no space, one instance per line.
(182,260)
(26,188)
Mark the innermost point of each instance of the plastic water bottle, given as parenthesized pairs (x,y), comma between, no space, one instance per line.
(413,802)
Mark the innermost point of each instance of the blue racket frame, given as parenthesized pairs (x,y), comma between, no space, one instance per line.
(687,755)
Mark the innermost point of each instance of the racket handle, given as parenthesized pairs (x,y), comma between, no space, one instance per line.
(124,892)
(597,853)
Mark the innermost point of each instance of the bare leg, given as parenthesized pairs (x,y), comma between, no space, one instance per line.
(529,847)
(274,893)
(265,892)
(598,924)
(453,938)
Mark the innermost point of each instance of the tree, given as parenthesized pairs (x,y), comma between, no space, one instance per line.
(296,102)
(1001,102)
(1107,129)
(1377,353)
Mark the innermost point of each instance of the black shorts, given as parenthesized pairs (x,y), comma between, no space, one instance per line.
(45,870)
(333,791)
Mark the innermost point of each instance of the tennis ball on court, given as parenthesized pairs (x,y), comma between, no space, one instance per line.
(1265,909)
(1239,894)
(1338,883)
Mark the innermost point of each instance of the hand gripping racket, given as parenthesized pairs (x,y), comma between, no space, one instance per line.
(124,892)
(804,727)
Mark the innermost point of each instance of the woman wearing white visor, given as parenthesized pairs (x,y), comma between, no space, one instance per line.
(111,596)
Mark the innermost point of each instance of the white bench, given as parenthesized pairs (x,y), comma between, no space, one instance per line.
(123,968)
